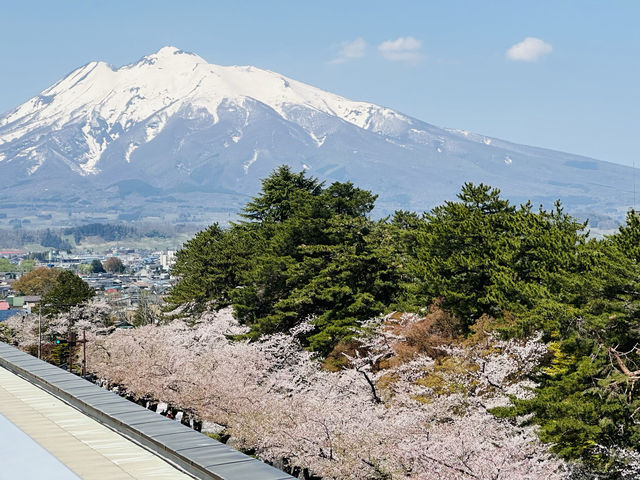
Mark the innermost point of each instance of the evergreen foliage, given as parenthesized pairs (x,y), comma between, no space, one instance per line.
(306,250)
(281,194)
(485,256)
(50,239)
(628,237)
(67,291)
(108,232)
(302,250)
(209,266)
(96,266)
(587,398)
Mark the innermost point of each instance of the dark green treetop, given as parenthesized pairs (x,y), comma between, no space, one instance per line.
(281,190)
(67,291)
(305,250)
(97,267)
(482,255)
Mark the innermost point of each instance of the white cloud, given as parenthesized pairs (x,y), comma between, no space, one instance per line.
(529,50)
(351,51)
(403,49)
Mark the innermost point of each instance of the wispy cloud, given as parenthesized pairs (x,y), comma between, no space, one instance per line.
(351,51)
(403,49)
(530,49)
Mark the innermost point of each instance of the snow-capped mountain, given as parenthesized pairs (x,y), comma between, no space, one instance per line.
(174,133)
(106,104)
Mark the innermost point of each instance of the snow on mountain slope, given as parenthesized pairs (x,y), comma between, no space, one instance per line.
(107,102)
(173,136)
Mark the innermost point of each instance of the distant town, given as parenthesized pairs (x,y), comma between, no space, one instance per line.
(139,274)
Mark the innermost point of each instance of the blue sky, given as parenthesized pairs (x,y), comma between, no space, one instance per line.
(574,85)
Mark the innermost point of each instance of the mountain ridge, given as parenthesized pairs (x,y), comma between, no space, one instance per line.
(206,134)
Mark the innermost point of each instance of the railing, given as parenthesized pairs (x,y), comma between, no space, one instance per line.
(195,453)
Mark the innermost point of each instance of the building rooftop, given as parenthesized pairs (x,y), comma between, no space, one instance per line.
(97,435)
(57,441)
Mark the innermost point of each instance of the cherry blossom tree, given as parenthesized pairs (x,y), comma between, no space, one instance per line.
(363,422)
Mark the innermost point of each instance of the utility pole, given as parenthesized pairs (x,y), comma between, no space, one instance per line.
(71,343)
(84,353)
(40,331)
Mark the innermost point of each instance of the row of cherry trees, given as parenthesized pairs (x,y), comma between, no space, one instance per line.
(404,401)
(391,412)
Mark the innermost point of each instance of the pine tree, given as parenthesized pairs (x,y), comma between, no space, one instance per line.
(67,291)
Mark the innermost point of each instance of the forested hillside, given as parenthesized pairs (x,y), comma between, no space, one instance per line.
(90,234)
(307,251)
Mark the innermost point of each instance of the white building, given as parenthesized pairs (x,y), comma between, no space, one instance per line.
(168,259)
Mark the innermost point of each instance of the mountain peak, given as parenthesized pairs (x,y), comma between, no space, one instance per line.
(171,54)
(168,50)
(175,121)
(162,83)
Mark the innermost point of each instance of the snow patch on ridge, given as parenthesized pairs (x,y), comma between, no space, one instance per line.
(32,154)
(95,150)
(457,131)
(251,161)
(319,141)
(34,168)
(130,149)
